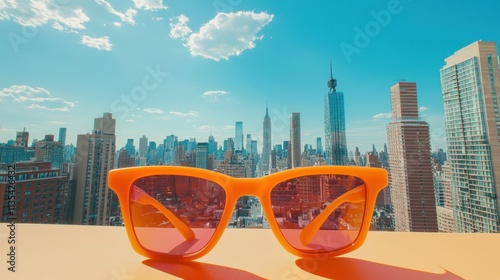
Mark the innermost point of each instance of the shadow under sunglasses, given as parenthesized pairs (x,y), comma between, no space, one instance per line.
(349,268)
(334,268)
(199,270)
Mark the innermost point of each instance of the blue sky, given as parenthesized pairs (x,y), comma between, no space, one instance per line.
(188,67)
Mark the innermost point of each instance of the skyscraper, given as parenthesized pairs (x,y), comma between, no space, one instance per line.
(238,136)
(143,146)
(357,157)
(248,146)
(294,151)
(266,147)
(51,151)
(95,203)
(190,145)
(169,144)
(470,83)
(286,149)
(319,146)
(410,178)
(202,155)
(229,144)
(253,148)
(22,138)
(62,135)
(335,138)
(130,147)
(212,145)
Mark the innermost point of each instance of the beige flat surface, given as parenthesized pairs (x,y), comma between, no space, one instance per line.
(91,252)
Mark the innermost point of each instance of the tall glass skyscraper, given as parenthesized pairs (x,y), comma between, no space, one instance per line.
(238,136)
(319,146)
(169,146)
(202,155)
(130,147)
(266,147)
(62,135)
(294,152)
(335,139)
(470,83)
(212,144)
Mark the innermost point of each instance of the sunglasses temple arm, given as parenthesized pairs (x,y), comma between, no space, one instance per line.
(354,196)
(139,196)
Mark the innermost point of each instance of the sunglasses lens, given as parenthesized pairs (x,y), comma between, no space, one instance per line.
(175,215)
(319,213)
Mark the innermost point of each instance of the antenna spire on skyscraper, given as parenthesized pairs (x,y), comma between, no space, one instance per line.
(332,83)
(331,72)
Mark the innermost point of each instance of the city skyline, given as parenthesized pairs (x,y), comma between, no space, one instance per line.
(151,67)
(462,185)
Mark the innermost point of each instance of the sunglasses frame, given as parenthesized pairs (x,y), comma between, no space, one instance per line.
(120,181)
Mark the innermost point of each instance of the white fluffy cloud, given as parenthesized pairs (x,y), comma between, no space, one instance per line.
(423,109)
(383,116)
(178,27)
(226,35)
(214,93)
(128,16)
(154,111)
(151,5)
(35,13)
(39,98)
(188,114)
(101,43)
(21,93)
(51,107)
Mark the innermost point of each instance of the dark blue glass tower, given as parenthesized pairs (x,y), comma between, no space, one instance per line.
(335,139)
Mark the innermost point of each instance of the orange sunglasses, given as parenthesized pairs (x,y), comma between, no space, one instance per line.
(177,213)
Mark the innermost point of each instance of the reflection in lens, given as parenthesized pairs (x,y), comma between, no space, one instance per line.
(163,206)
(298,201)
